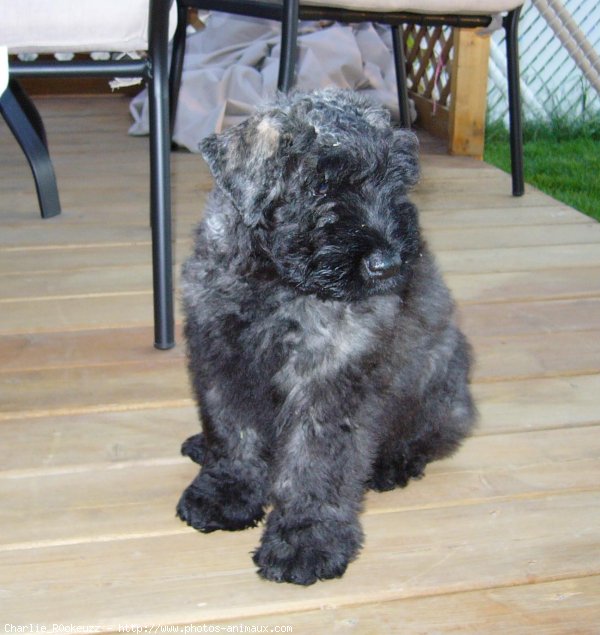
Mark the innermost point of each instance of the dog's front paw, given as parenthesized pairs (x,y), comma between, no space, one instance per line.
(305,553)
(195,448)
(210,503)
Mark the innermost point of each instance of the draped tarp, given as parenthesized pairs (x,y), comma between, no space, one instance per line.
(232,65)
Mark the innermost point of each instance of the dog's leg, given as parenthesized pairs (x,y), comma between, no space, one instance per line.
(447,416)
(229,492)
(222,497)
(439,421)
(313,531)
(231,489)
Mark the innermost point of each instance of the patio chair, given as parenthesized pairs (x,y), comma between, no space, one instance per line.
(84,26)
(395,13)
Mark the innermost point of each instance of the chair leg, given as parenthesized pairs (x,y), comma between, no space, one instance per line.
(160,182)
(30,111)
(401,81)
(289,45)
(26,125)
(177,57)
(511,23)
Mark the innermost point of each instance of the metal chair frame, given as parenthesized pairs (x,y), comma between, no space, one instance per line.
(288,12)
(26,124)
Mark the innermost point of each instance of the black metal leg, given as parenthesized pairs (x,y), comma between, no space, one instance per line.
(401,81)
(511,23)
(26,125)
(289,42)
(30,110)
(177,57)
(160,180)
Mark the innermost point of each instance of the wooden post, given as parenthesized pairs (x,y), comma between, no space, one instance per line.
(466,130)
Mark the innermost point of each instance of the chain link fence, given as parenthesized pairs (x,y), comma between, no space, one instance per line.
(552,84)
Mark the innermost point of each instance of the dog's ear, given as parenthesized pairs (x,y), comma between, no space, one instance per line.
(406,156)
(243,162)
(378,117)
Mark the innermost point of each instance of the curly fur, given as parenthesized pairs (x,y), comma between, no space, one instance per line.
(322,346)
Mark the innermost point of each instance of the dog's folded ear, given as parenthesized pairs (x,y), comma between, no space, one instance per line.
(243,163)
(406,156)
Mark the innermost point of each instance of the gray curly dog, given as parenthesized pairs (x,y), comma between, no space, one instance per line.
(321,340)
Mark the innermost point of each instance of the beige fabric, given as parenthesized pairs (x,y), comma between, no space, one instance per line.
(50,26)
(232,65)
(482,7)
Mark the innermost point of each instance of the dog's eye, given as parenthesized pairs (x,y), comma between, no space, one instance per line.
(321,189)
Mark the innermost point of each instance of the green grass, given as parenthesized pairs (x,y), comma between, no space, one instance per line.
(562,158)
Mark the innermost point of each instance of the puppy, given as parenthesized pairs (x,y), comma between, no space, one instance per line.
(322,346)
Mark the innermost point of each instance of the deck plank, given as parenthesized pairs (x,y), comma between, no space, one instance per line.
(566,607)
(130,309)
(553,284)
(142,384)
(56,442)
(504,357)
(567,283)
(125,253)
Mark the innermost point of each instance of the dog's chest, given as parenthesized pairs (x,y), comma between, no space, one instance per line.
(323,339)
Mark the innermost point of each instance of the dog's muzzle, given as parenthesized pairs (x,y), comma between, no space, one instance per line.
(381,265)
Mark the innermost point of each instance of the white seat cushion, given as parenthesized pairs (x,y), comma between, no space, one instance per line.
(50,26)
(482,7)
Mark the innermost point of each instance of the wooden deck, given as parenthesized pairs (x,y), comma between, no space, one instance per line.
(503,538)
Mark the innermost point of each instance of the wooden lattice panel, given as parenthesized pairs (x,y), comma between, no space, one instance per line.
(429,62)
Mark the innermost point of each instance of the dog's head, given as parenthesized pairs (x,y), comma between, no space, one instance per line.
(323,178)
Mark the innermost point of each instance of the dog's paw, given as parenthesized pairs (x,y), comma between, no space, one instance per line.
(209,504)
(303,554)
(195,448)
(391,474)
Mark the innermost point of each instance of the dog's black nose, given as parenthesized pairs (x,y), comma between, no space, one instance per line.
(383,264)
